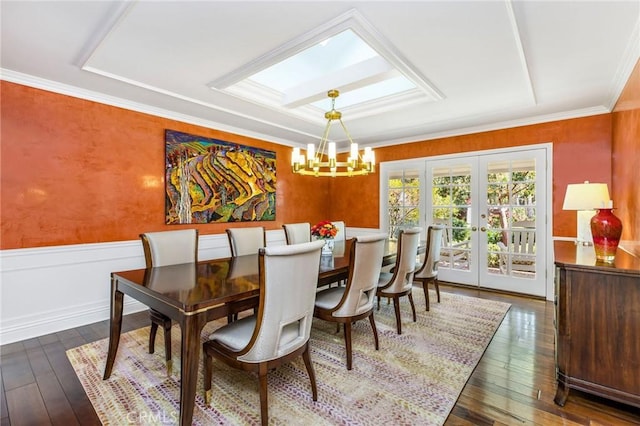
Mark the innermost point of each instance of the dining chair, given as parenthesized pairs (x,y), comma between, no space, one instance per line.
(399,283)
(166,248)
(342,230)
(243,241)
(296,233)
(279,331)
(428,271)
(346,305)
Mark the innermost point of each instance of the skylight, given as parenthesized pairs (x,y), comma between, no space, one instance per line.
(343,61)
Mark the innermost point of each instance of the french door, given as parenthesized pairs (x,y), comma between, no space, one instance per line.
(493,210)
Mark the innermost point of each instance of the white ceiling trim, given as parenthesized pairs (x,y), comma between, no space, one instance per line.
(565,115)
(629,60)
(119,11)
(89,95)
(64,89)
(521,55)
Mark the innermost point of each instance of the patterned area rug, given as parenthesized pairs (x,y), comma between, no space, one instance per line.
(414,378)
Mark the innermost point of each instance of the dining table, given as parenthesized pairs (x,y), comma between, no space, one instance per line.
(193,294)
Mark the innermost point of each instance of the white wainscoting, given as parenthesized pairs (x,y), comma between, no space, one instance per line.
(49,289)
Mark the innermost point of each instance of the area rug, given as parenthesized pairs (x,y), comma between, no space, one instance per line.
(414,379)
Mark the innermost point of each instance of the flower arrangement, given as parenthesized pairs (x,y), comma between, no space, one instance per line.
(324,230)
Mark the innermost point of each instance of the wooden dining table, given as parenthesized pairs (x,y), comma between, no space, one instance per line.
(192,294)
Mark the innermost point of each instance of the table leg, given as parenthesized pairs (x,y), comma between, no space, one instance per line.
(191,329)
(115,326)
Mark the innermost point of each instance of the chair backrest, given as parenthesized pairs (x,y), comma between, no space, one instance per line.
(243,241)
(342,230)
(296,233)
(429,267)
(170,247)
(523,237)
(405,266)
(288,282)
(365,262)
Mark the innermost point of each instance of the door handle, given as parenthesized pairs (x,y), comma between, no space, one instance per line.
(483,229)
(474,228)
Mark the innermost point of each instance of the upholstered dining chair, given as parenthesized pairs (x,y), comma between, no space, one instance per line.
(243,241)
(342,230)
(296,233)
(162,249)
(279,331)
(353,302)
(428,271)
(399,283)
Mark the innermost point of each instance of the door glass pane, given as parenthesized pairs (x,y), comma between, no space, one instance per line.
(451,198)
(404,200)
(511,218)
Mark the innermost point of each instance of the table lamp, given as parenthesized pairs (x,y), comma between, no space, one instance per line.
(585,198)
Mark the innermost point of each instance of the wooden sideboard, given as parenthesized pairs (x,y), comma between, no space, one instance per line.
(597,324)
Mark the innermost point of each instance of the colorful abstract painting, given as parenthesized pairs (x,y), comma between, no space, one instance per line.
(209,181)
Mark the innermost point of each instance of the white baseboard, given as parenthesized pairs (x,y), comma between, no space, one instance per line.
(49,289)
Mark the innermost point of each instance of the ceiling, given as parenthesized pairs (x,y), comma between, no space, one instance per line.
(473,65)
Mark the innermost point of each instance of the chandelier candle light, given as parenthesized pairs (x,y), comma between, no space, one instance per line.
(314,163)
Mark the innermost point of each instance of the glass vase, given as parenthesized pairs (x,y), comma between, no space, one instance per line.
(606,229)
(327,248)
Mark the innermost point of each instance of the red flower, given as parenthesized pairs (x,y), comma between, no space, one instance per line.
(324,230)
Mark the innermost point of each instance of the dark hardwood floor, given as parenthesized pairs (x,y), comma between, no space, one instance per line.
(514,383)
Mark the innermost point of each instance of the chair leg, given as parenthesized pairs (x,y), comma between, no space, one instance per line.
(378,302)
(413,306)
(375,330)
(264,407)
(152,337)
(435,284)
(347,341)
(312,374)
(425,288)
(396,308)
(337,327)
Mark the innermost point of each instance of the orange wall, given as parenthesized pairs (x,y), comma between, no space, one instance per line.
(626,157)
(75,171)
(581,151)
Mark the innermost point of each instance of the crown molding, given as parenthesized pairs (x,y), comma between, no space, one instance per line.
(77,92)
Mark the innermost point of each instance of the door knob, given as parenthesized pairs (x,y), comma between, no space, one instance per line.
(483,229)
(474,228)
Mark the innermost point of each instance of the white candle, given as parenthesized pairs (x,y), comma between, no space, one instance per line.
(354,151)
(311,151)
(295,156)
(332,150)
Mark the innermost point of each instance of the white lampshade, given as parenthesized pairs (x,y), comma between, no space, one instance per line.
(585,196)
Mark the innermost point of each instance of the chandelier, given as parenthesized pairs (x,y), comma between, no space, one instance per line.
(323,162)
